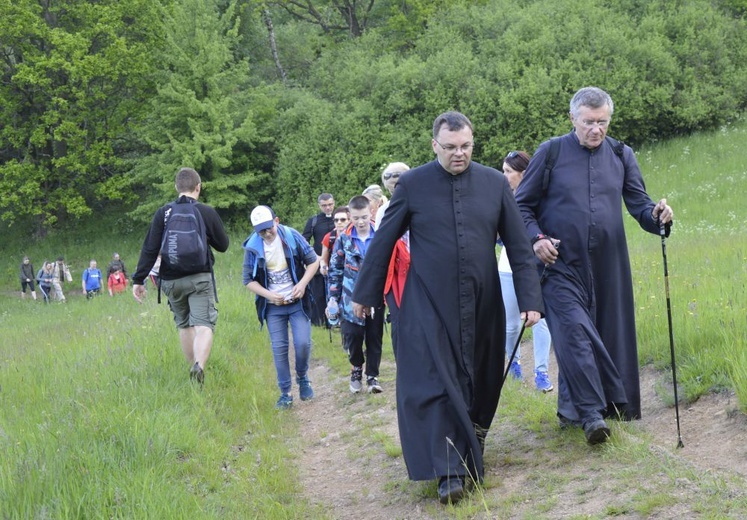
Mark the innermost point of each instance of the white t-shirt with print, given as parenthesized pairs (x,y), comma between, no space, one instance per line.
(278,273)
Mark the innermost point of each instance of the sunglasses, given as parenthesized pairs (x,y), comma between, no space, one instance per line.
(391,175)
(511,155)
(341,220)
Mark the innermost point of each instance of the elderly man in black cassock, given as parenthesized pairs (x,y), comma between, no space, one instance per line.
(588,289)
(452,321)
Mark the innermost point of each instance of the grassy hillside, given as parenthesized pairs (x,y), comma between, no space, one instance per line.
(703,178)
(98,418)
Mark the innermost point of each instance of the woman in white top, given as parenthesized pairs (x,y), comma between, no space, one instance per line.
(513,168)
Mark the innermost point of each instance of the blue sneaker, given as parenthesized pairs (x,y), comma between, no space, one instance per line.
(542,381)
(515,370)
(284,402)
(304,388)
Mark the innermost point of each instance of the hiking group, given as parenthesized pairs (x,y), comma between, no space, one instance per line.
(455,310)
(52,276)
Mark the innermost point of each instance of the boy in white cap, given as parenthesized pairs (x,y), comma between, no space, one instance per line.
(278,265)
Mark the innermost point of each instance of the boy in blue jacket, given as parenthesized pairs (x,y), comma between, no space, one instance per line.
(278,266)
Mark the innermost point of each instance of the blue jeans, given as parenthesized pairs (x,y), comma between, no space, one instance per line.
(540,332)
(278,317)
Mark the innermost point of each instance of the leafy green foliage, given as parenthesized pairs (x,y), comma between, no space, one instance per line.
(670,67)
(105,101)
(204,114)
(72,77)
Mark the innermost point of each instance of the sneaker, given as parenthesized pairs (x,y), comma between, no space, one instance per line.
(542,381)
(373,386)
(515,370)
(356,376)
(197,373)
(285,401)
(304,388)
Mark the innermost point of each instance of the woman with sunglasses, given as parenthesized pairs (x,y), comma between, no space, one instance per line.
(341,218)
(513,168)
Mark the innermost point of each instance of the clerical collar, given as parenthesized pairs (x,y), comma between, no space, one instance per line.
(467,169)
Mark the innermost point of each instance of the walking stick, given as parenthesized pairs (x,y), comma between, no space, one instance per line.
(663,233)
(513,354)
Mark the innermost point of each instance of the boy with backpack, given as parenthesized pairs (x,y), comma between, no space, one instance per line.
(278,265)
(183,233)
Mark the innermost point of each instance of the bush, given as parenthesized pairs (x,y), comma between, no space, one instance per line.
(671,68)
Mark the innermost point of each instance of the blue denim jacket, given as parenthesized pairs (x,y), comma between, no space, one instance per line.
(298,254)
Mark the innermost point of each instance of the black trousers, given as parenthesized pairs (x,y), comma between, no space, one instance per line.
(353,337)
(391,304)
(318,288)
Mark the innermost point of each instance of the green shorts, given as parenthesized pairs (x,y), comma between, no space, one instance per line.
(192,300)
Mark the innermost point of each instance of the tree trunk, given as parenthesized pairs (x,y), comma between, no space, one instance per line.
(273,45)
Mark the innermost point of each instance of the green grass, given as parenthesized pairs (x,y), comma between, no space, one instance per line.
(98,418)
(703,178)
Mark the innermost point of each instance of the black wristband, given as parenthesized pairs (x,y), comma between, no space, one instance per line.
(537,238)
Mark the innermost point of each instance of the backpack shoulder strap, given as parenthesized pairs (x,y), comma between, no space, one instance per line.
(552,157)
(290,239)
(617,146)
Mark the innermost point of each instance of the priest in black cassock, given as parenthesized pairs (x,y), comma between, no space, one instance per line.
(452,322)
(588,289)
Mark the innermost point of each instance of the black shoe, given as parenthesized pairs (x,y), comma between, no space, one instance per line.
(596,432)
(481,433)
(566,423)
(197,373)
(450,489)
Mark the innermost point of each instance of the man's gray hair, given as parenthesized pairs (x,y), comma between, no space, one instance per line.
(592,97)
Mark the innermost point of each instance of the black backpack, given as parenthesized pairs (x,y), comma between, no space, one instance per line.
(552,156)
(184,246)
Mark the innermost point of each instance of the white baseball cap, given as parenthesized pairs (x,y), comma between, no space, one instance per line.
(262,218)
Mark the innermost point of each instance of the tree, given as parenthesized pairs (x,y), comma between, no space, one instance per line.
(331,16)
(205,114)
(73,77)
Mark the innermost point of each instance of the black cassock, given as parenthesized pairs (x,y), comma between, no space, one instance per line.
(452,322)
(588,292)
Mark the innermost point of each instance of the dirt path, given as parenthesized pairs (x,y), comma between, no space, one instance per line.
(346,469)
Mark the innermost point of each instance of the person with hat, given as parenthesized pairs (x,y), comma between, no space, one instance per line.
(278,265)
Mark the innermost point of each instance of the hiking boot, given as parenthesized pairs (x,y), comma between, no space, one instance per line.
(596,432)
(356,377)
(285,401)
(565,423)
(515,370)
(373,386)
(197,373)
(304,388)
(450,489)
(542,381)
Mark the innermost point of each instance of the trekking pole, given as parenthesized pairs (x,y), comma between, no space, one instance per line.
(513,353)
(663,234)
